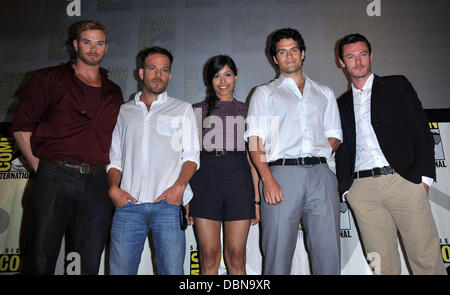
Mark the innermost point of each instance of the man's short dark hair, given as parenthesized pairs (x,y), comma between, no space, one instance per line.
(142,55)
(352,38)
(286,33)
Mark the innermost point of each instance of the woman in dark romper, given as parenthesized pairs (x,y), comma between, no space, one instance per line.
(226,185)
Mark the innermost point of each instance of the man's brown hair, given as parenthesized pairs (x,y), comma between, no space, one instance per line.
(81,26)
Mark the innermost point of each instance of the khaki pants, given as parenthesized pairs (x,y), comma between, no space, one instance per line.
(386,203)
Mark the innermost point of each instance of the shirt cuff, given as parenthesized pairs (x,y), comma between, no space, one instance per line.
(113,166)
(336,133)
(23,128)
(427,180)
(191,156)
(255,132)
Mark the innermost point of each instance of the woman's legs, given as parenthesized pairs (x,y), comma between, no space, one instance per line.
(235,236)
(208,238)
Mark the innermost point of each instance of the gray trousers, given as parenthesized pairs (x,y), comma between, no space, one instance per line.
(310,194)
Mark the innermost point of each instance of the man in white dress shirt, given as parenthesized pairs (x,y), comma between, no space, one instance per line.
(385,165)
(154,153)
(293,127)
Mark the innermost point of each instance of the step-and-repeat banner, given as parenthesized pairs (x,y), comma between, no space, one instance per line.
(15,181)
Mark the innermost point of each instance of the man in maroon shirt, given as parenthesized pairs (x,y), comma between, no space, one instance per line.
(63,127)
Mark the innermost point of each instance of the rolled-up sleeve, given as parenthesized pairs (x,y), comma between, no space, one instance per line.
(190,141)
(332,120)
(115,151)
(258,115)
(34,100)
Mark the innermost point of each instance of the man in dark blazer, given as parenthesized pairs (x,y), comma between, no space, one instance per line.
(385,164)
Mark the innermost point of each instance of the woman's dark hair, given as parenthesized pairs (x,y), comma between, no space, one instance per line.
(352,38)
(286,33)
(212,66)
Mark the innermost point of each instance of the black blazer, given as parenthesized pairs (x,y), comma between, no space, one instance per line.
(400,125)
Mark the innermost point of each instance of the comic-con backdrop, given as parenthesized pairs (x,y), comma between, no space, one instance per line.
(404,34)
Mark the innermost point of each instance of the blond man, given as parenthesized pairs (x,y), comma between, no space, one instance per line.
(63,126)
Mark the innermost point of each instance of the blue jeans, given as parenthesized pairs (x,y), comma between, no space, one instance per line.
(130,228)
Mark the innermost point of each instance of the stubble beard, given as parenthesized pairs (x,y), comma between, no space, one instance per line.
(366,74)
(293,70)
(155,90)
(86,61)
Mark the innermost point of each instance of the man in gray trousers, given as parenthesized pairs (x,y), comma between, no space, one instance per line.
(293,127)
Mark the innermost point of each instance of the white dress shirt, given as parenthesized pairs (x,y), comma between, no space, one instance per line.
(368,151)
(292,124)
(150,147)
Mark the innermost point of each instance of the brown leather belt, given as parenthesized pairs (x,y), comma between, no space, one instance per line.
(83,168)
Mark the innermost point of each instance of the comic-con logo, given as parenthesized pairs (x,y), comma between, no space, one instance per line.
(12,163)
(438,148)
(445,251)
(6,153)
(195,263)
(10,262)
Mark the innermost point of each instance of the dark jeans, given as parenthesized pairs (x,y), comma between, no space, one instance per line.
(64,202)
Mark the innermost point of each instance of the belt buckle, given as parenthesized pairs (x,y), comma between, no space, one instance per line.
(373,173)
(387,170)
(84,168)
(218,154)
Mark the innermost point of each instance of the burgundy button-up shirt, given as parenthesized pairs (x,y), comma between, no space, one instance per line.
(54,107)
